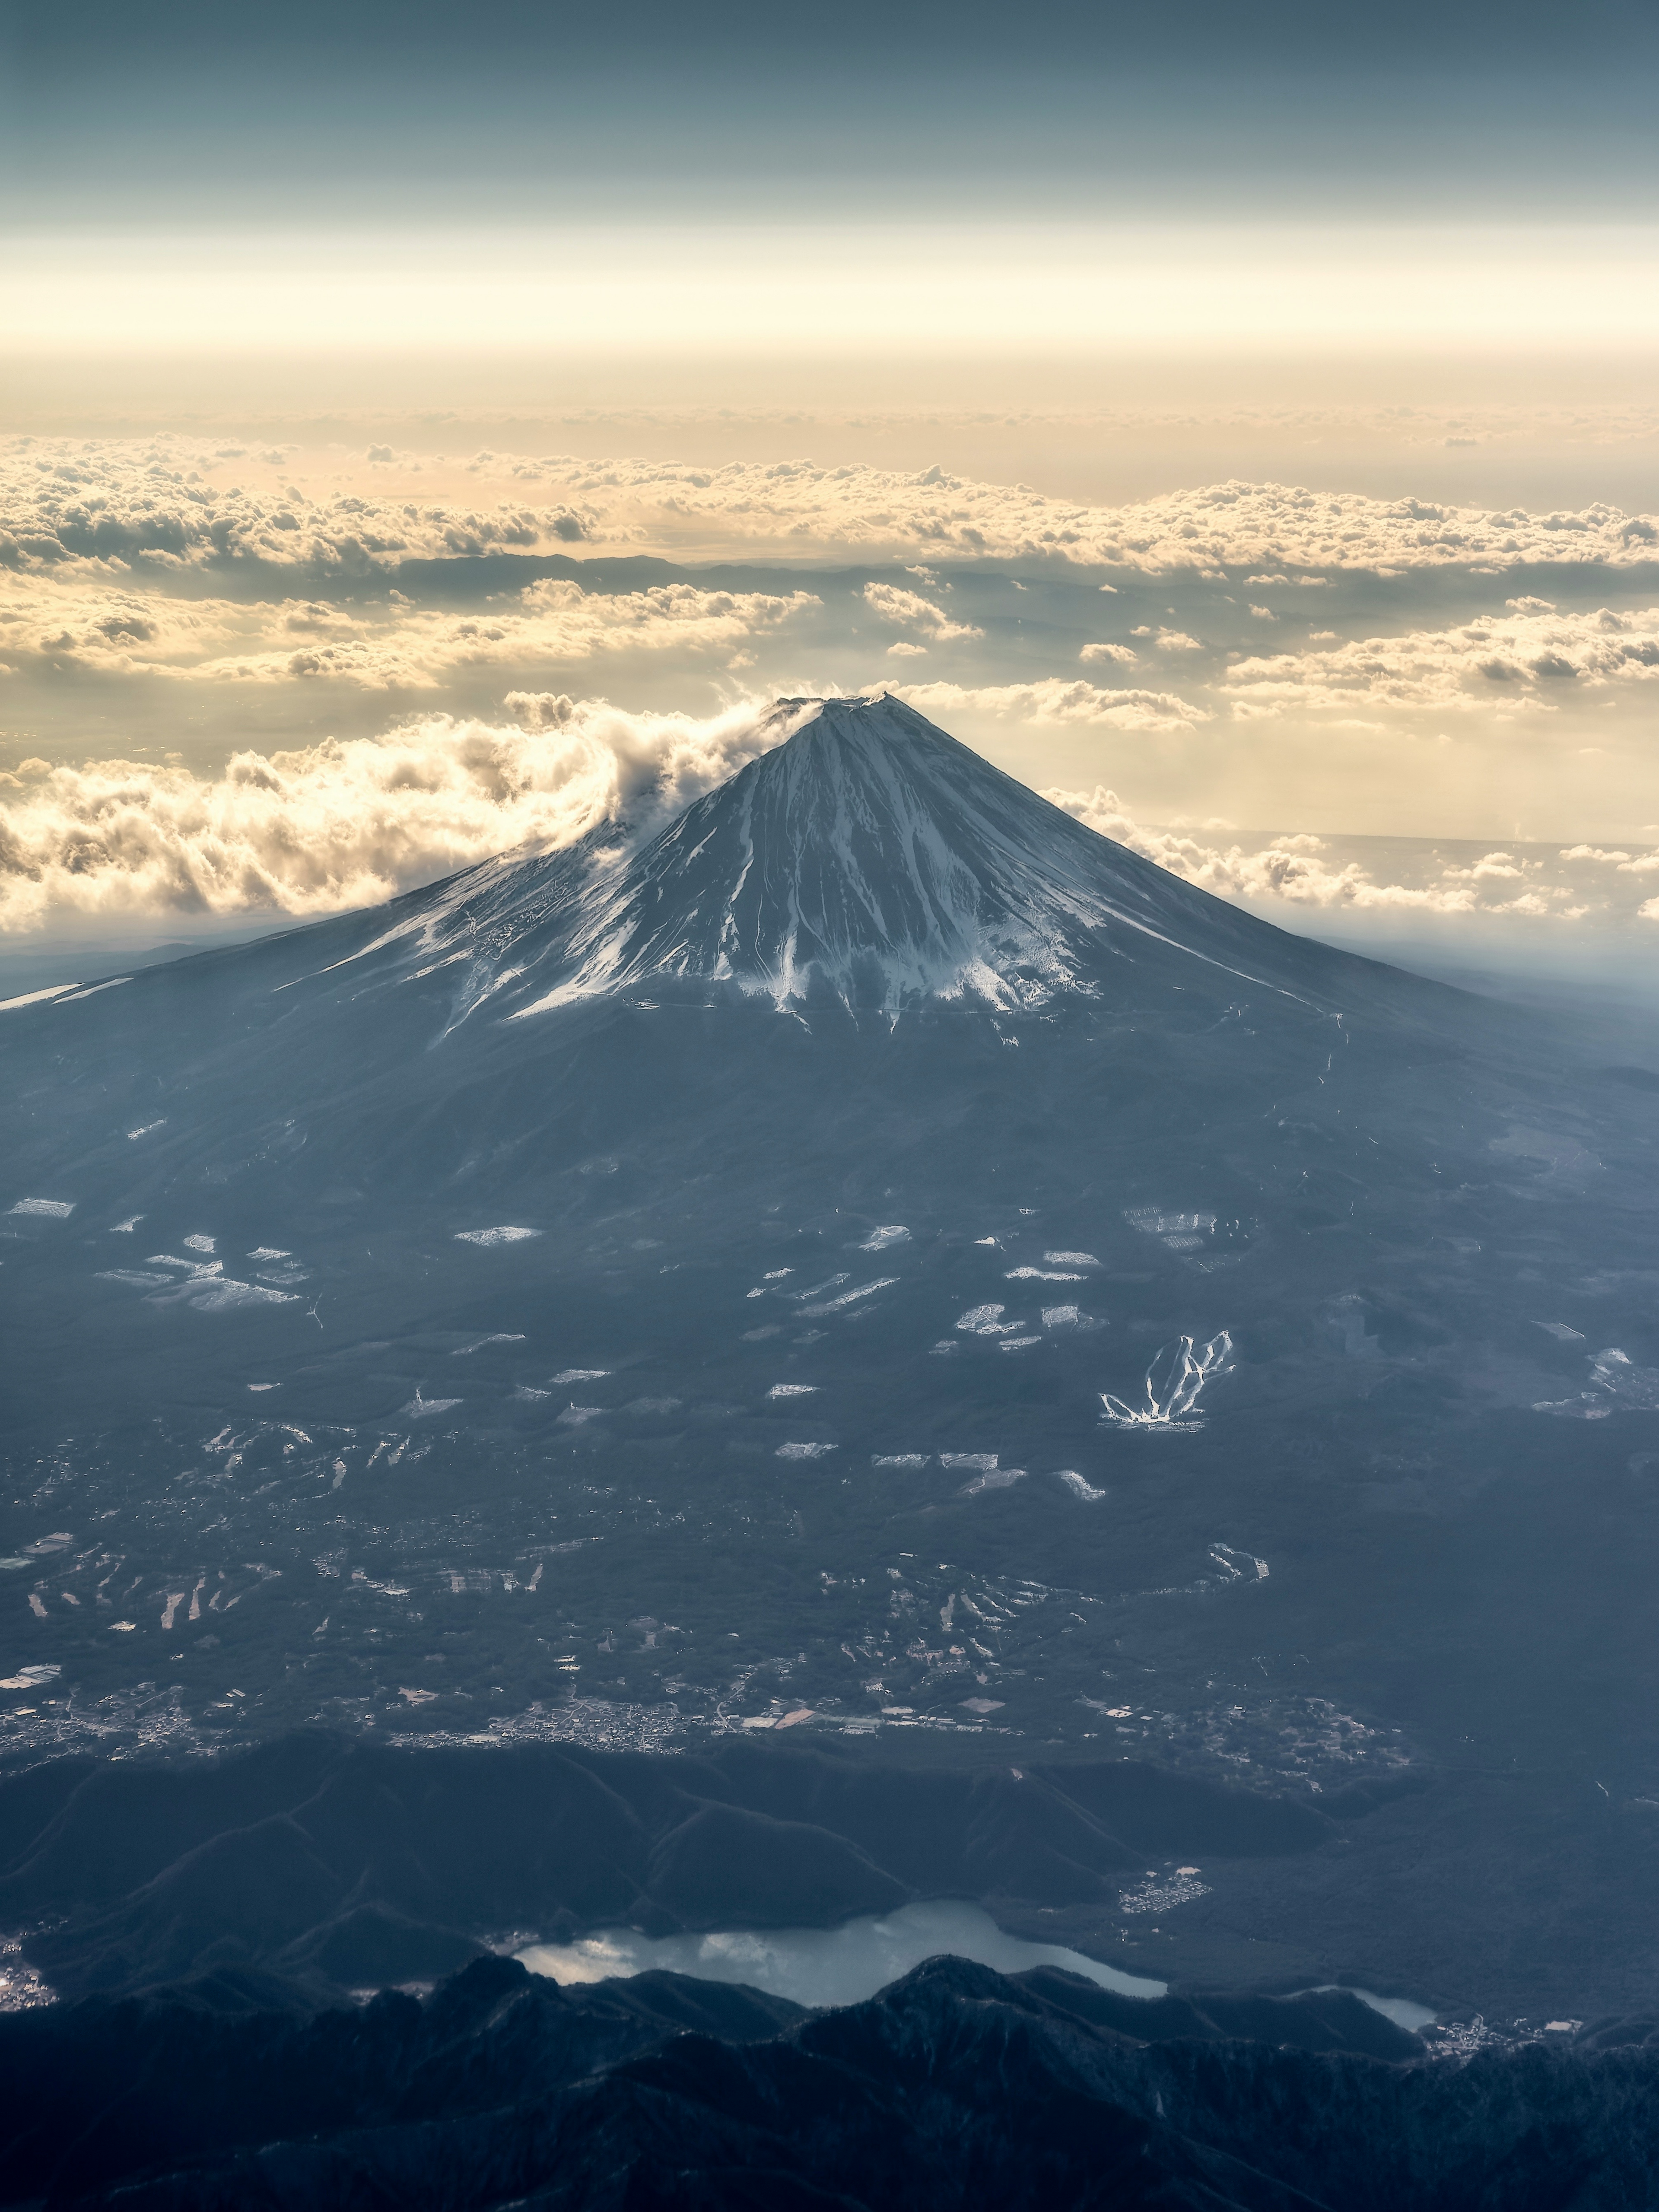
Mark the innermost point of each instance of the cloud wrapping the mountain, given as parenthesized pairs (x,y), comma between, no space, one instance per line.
(340,824)
(316,830)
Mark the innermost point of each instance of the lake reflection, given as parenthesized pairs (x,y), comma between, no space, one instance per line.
(824,1966)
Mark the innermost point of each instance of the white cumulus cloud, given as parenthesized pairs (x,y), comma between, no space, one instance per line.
(1057,699)
(339,824)
(1210,529)
(171,502)
(910,610)
(75,621)
(1529,658)
(1297,870)
(180,502)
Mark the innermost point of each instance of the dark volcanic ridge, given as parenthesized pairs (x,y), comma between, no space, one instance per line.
(954,2086)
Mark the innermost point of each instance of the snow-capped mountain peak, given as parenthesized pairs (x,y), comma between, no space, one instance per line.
(868,859)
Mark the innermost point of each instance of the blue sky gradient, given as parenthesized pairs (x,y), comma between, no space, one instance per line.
(371,112)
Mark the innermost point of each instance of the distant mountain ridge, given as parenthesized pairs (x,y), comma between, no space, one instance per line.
(955,2087)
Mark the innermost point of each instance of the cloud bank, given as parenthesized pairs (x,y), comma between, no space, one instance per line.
(82,624)
(232,596)
(1289,868)
(1573,883)
(184,503)
(1211,529)
(1057,700)
(176,502)
(1527,659)
(339,825)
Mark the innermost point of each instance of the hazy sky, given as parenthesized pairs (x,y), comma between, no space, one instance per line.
(1240,420)
(511,109)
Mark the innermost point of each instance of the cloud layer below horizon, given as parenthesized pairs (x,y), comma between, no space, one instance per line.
(244,680)
(180,504)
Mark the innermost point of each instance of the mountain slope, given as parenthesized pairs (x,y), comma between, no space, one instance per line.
(868,1255)
(487,1029)
(869,859)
